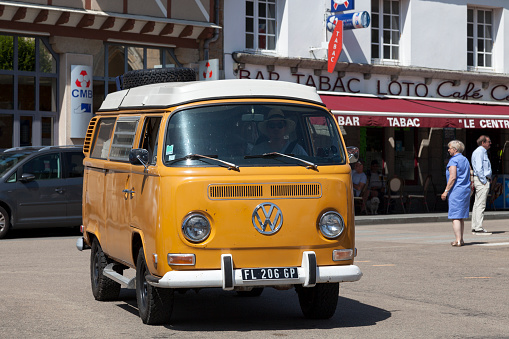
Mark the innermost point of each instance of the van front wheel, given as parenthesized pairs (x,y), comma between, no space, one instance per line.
(318,302)
(155,305)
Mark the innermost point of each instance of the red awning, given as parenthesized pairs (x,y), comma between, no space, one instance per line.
(377,111)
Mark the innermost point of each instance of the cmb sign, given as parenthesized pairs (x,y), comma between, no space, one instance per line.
(81,99)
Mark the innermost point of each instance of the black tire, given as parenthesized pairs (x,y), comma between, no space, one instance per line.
(103,288)
(155,305)
(255,292)
(318,302)
(157,75)
(5,222)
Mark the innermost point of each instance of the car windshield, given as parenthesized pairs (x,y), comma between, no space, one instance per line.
(253,135)
(8,160)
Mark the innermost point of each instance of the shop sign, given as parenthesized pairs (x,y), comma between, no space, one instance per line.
(382,85)
(350,21)
(335,46)
(208,70)
(81,99)
(341,5)
(407,121)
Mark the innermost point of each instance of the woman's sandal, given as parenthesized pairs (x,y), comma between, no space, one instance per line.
(456,244)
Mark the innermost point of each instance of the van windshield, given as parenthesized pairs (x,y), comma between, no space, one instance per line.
(252,135)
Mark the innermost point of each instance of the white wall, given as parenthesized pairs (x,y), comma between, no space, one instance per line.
(433,32)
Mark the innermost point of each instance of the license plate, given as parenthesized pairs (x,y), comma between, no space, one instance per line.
(269,273)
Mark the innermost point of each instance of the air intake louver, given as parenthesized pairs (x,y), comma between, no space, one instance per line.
(292,190)
(265,191)
(88,137)
(236,191)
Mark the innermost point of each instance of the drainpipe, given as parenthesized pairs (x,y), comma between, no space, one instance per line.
(216,31)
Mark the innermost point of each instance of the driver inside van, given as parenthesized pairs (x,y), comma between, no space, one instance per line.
(277,128)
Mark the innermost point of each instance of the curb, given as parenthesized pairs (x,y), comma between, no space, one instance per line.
(385,219)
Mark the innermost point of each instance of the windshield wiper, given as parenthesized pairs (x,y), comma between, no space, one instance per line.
(309,164)
(229,165)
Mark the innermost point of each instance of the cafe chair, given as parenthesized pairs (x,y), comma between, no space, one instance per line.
(423,196)
(395,193)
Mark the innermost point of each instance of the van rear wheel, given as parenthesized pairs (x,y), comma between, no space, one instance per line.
(155,305)
(103,288)
(318,302)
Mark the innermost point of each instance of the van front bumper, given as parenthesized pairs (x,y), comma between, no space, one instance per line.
(228,278)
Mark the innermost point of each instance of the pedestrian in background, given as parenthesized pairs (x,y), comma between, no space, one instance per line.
(482,178)
(359,178)
(458,189)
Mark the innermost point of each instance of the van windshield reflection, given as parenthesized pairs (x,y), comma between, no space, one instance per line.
(242,135)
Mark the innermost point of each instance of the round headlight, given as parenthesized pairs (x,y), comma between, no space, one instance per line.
(196,228)
(331,225)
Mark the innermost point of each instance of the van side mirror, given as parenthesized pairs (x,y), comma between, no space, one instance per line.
(27,177)
(353,154)
(139,156)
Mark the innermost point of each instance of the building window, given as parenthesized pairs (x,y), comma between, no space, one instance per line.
(114,60)
(479,38)
(28,91)
(261,24)
(385,29)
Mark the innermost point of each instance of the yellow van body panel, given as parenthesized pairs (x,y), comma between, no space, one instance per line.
(122,201)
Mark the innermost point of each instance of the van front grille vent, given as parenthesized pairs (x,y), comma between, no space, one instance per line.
(265,191)
(295,190)
(235,191)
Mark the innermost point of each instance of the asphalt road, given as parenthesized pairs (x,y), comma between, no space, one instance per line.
(415,285)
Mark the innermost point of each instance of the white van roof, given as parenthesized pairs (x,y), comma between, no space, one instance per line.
(176,93)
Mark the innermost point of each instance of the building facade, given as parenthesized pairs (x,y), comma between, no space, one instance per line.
(421,74)
(59,58)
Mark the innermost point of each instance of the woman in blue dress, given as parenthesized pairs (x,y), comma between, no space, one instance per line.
(458,189)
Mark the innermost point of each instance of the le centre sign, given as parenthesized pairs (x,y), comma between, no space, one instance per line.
(383,85)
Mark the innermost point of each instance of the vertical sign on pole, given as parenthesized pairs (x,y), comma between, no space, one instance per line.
(81,99)
(335,46)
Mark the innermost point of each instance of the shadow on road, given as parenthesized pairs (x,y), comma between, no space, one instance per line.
(218,310)
(43,233)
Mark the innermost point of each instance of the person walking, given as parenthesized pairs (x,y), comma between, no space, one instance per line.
(458,189)
(482,177)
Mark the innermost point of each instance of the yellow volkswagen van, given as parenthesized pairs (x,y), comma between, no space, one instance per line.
(234,184)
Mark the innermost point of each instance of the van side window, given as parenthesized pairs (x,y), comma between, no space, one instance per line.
(103,138)
(44,167)
(123,138)
(149,137)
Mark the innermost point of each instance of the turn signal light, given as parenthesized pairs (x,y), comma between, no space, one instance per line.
(339,255)
(181,259)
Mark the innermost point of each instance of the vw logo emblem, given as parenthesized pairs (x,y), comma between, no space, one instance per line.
(267,218)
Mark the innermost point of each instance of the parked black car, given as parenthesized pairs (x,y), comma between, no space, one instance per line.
(40,187)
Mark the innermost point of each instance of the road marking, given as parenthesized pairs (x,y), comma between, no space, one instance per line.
(477,277)
(384,265)
(362,261)
(495,244)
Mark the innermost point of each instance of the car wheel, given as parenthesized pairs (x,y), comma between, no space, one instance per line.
(255,292)
(5,223)
(318,302)
(157,75)
(155,305)
(103,288)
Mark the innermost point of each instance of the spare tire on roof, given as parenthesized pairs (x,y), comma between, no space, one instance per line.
(157,75)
